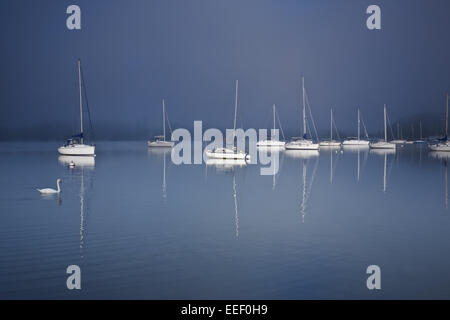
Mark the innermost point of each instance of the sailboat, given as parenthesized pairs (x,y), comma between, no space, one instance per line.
(383,144)
(399,140)
(229,153)
(271,142)
(331,142)
(302,143)
(445,144)
(75,146)
(160,141)
(420,138)
(357,141)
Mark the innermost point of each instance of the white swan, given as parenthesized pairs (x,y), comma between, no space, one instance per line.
(50,190)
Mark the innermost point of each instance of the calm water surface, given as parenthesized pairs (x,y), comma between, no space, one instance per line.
(141,227)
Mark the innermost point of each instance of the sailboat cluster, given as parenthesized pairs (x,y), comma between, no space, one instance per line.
(76,146)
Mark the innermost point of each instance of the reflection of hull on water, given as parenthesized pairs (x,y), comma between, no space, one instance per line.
(79,161)
(382,152)
(302,154)
(158,151)
(356,148)
(226,163)
(441,155)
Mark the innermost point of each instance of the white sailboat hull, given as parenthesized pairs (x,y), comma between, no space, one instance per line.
(302,145)
(227,154)
(383,145)
(355,142)
(77,150)
(330,143)
(445,147)
(161,144)
(270,143)
(398,141)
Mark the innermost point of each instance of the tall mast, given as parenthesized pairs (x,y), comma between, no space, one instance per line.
(420,124)
(274,117)
(398,130)
(385,127)
(164,120)
(446,114)
(331,125)
(81,101)
(359,125)
(304,106)
(235,107)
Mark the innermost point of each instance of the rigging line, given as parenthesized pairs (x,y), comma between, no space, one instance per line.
(168,122)
(364,126)
(312,119)
(308,191)
(366,156)
(335,128)
(391,164)
(279,124)
(87,105)
(389,122)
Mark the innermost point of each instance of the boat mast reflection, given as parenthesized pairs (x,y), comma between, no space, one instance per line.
(444,157)
(385,153)
(83,168)
(161,151)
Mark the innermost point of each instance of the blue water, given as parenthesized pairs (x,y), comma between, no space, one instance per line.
(137,234)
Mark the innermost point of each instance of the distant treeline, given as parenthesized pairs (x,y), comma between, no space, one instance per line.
(433,125)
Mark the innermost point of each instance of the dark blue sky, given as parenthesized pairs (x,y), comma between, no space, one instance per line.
(134,53)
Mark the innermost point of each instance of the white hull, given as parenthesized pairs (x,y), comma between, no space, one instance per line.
(270,143)
(330,144)
(398,141)
(161,144)
(356,142)
(302,145)
(227,154)
(226,163)
(382,145)
(77,150)
(445,147)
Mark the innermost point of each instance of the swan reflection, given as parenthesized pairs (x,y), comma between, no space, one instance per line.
(78,161)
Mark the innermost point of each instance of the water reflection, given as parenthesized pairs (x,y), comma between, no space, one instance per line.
(272,157)
(358,150)
(77,161)
(333,150)
(444,157)
(384,153)
(161,152)
(81,169)
(225,164)
(306,156)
